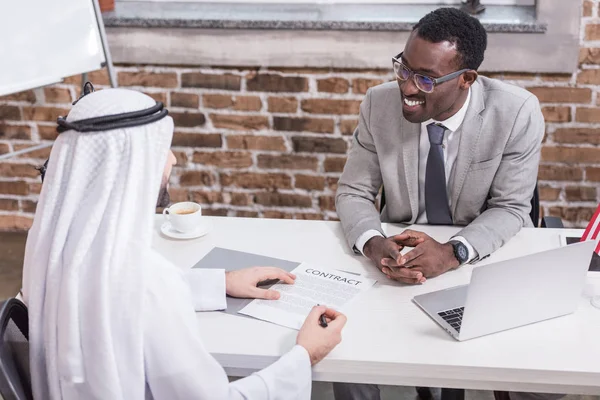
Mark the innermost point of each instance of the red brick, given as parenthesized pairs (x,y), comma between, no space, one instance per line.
(15,170)
(181,157)
(15,222)
(26,96)
(197,178)
(299,124)
(188,119)
(47,132)
(256,180)
(577,135)
(319,144)
(589,55)
(35,188)
(255,142)
(247,103)
(332,183)
(549,193)
(148,79)
(587,114)
(42,154)
(49,114)
(592,32)
(197,139)
(287,161)
(330,106)
(224,159)
(57,95)
(587,8)
(361,85)
(276,83)
(592,174)
(185,100)
(99,77)
(347,126)
(9,112)
(518,76)
(282,104)
(562,94)
(334,164)
(557,114)
(4,148)
(559,173)
(241,199)
(310,182)
(276,199)
(308,216)
(333,85)
(207,197)
(217,101)
(9,204)
(246,214)
(28,206)
(571,154)
(589,77)
(573,214)
(581,193)
(556,77)
(215,212)
(178,195)
(211,81)
(327,202)
(240,122)
(14,187)
(20,132)
(277,214)
(158,96)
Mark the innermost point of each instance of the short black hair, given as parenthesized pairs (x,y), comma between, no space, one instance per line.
(452,25)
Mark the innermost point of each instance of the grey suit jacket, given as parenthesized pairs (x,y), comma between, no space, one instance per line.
(493,178)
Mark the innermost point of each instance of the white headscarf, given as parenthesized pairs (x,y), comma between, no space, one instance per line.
(83,277)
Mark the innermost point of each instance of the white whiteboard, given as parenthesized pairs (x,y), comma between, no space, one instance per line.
(43,41)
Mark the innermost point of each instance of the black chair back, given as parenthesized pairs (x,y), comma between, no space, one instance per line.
(15,379)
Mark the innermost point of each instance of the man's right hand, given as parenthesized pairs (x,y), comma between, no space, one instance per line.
(317,340)
(385,254)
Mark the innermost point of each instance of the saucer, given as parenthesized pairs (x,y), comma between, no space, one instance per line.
(202,230)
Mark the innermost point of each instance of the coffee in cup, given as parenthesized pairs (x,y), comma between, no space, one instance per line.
(184,217)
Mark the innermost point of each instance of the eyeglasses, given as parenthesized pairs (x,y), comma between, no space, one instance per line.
(422,82)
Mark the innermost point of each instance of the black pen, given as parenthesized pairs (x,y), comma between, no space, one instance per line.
(323,321)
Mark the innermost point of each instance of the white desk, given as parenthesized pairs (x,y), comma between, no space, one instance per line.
(388,340)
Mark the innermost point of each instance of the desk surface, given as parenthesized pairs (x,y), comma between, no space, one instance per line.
(387,339)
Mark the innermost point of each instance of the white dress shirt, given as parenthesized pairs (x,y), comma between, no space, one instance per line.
(450,146)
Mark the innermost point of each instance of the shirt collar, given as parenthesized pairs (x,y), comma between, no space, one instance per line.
(455,121)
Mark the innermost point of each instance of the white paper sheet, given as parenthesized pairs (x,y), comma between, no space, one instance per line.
(314,285)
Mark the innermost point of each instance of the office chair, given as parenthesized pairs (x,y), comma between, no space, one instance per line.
(15,380)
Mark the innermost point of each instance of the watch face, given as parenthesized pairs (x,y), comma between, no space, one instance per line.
(462,252)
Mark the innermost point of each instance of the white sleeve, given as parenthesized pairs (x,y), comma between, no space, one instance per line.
(364,238)
(178,366)
(472,252)
(207,287)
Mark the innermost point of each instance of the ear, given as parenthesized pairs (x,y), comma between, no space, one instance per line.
(468,78)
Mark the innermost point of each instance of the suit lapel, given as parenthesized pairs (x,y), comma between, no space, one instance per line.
(469,137)
(410,158)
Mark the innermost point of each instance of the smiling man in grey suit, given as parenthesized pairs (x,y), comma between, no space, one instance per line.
(450,147)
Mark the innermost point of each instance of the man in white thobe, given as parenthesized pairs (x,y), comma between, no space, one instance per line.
(109,318)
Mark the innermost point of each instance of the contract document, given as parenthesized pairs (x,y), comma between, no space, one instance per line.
(314,285)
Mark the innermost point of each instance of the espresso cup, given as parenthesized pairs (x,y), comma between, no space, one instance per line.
(184,217)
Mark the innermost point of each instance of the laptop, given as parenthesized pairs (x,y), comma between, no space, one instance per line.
(512,293)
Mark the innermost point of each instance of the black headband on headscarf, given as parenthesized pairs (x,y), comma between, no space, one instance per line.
(108,122)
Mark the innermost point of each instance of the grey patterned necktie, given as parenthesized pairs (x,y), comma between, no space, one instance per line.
(436,196)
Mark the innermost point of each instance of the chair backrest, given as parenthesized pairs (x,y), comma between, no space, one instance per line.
(534,214)
(15,379)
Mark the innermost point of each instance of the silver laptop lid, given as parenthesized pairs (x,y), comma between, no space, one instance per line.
(525,290)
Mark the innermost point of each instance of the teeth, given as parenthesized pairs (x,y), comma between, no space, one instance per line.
(413,103)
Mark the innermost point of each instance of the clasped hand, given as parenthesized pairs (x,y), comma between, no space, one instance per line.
(428,258)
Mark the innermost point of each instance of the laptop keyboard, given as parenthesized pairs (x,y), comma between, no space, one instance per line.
(453,317)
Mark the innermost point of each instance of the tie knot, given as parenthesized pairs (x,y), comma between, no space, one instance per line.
(436,133)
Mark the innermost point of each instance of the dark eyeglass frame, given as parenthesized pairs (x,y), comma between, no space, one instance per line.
(436,81)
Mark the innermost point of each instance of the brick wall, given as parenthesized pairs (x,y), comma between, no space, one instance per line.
(272,142)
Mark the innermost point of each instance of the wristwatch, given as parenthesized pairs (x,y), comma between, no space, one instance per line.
(460,251)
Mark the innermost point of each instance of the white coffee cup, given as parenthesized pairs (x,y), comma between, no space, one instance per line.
(184,217)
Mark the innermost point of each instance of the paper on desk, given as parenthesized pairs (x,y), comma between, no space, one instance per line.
(314,285)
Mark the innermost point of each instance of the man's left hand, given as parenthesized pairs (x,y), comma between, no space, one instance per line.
(244,282)
(429,256)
